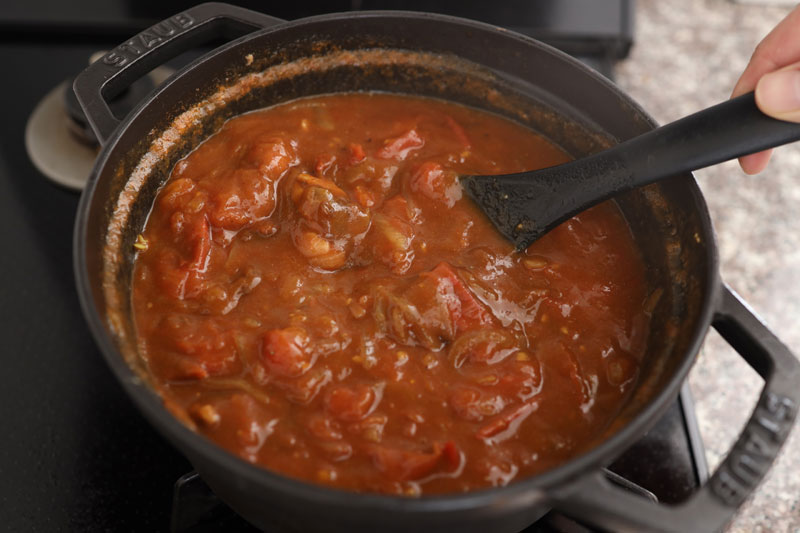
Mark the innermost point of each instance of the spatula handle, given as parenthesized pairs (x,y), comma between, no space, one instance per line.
(720,133)
(725,131)
(524,206)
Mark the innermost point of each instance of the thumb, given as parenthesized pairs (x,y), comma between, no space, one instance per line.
(778,93)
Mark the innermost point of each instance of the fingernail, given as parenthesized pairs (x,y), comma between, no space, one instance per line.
(778,93)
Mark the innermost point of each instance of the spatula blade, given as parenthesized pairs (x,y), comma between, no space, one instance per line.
(508,203)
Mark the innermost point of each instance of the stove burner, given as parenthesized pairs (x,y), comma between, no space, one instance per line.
(52,147)
(58,138)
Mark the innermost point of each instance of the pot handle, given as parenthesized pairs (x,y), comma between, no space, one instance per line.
(110,75)
(713,505)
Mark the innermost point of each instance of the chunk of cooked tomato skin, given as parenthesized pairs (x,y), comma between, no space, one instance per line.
(436,183)
(466,311)
(482,346)
(372,177)
(408,465)
(287,352)
(273,157)
(243,196)
(400,147)
(357,153)
(325,162)
(199,240)
(241,420)
(193,348)
(505,425)
(329,223)
(323,427)
(429,311)
(182,268)
(319,251)
(327,208)
(247,197)
(351,403)
(391,235)
(169,273)
(175,194)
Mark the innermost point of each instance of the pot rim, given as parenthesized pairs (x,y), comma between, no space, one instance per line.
(151,404)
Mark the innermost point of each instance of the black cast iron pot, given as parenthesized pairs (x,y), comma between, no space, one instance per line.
(462,61)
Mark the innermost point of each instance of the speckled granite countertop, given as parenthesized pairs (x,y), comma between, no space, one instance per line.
(688,55)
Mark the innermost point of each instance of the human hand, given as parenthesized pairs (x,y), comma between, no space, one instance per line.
(774,73)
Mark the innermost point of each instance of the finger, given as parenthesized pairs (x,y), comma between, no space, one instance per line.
(755,163)
(779,48)
(778,93)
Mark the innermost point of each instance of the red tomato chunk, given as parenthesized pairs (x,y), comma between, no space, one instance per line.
(318,298)
(286,352)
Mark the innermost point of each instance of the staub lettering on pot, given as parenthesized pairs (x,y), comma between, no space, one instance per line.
(148,39)
(750,459)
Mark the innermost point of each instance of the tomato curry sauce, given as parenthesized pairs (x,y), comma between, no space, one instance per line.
(313,293)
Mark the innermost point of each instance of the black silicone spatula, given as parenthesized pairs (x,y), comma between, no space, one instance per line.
(525,206)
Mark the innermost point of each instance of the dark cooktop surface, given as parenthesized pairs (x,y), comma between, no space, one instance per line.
(75,454)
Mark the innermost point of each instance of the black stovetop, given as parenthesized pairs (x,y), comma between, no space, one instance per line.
(75,454)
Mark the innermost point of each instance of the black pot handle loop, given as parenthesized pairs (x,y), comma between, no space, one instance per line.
(714,504)
(110,75)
